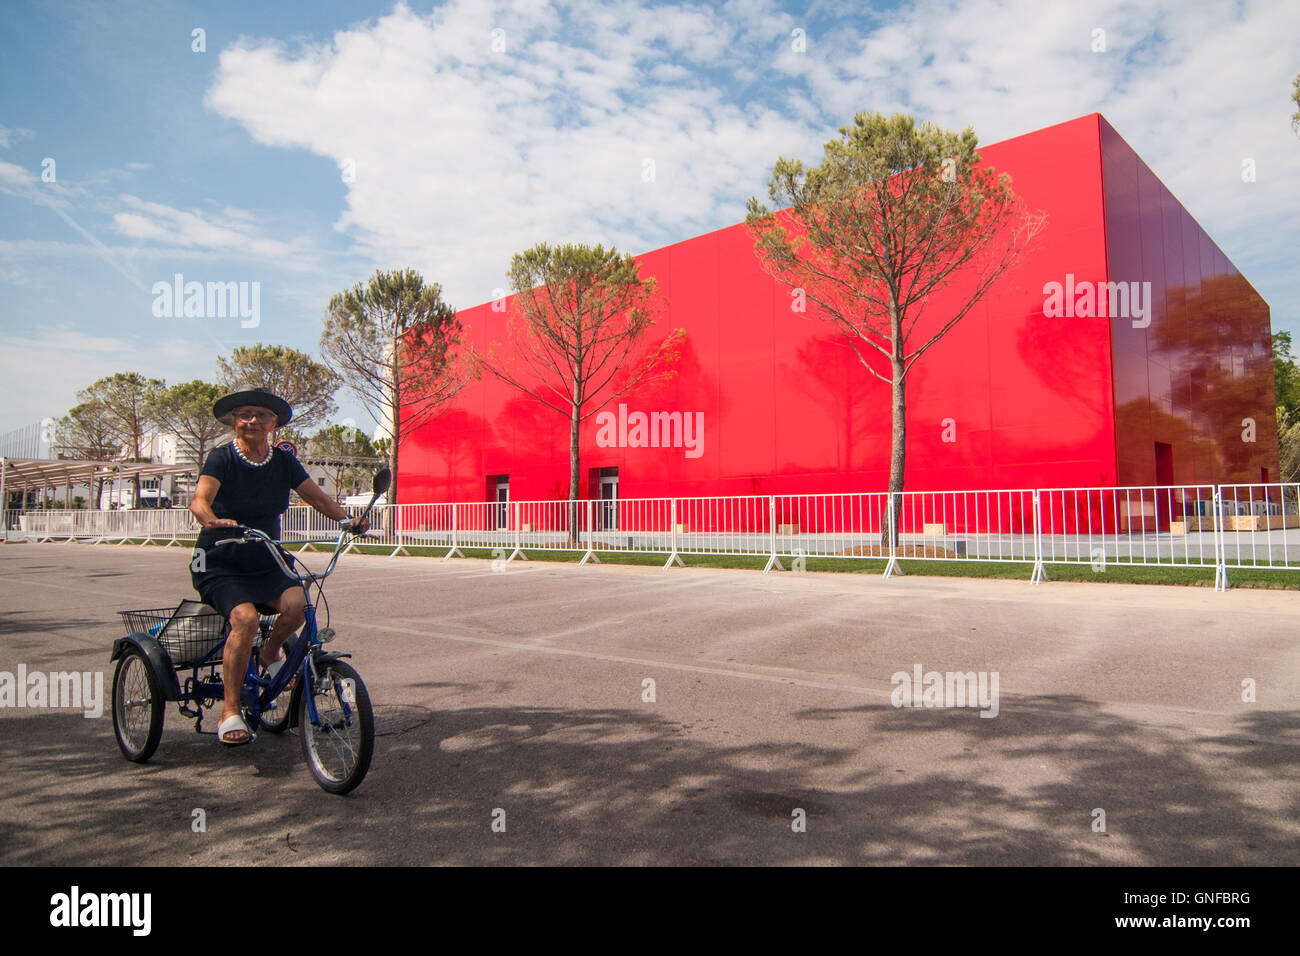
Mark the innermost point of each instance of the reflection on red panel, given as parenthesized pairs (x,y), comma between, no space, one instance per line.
(1010,398)
(1206,355)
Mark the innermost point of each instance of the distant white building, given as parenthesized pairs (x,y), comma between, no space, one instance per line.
(161,448)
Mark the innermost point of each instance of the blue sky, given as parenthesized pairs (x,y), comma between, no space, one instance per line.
(310,143)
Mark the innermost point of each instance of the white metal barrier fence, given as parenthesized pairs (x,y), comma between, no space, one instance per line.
(1192,526)
(148,525)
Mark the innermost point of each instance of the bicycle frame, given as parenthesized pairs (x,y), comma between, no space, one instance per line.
(300,656)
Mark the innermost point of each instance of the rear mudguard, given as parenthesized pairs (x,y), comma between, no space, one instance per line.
(163,672)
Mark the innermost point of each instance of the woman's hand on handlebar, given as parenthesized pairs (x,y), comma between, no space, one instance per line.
(356,525)
(227,530)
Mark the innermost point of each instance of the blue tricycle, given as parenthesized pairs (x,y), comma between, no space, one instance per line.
(175,654)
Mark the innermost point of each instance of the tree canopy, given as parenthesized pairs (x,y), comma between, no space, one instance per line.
(1295,98)
(127,399)
(893,214)
(1286,384)
(336,444)
(395,343)
(307,385)
(186,410)
(579,313)
(90,432)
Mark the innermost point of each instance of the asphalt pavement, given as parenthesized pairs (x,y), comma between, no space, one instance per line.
(549,714)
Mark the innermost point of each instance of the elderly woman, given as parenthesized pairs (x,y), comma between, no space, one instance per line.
(248,482)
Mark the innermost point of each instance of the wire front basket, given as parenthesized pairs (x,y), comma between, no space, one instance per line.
(187,638)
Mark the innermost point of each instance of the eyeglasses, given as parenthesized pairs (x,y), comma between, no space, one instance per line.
(262,418)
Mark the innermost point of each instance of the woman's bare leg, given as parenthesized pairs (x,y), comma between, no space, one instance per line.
(234,662)
(291,606)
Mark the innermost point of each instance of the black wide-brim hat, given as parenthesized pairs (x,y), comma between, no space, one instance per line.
(254,396)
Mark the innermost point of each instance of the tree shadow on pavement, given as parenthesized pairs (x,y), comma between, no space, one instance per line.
(614,786)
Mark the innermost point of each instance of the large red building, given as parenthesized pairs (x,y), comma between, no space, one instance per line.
(1039,386)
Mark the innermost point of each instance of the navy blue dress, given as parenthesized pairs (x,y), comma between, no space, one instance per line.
(237,574)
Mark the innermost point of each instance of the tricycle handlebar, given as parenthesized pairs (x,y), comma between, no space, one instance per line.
(249,535)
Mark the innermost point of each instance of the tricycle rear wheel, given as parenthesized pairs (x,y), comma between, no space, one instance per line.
(137,706)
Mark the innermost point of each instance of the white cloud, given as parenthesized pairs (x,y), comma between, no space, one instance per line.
(464,156)
(233,232)
(14,177)
(1189,87)
(9,135)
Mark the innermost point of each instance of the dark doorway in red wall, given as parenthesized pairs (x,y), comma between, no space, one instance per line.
(498,494)
(1166,500)
(1164,464)
(602,485)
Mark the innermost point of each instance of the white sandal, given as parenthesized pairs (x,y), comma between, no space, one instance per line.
(233,724)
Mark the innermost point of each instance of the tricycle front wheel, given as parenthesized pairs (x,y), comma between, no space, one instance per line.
(137,706)
(339,745)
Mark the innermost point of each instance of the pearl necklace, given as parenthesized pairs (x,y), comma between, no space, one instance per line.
(256,464)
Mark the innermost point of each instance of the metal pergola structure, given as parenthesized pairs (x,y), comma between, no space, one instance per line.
(48,473)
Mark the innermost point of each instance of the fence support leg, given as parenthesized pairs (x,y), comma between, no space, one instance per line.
(1220,545)
(1040,569)
(401,546)
(590,554)
(773,561)
(455,548)
(674,557)
(518,552)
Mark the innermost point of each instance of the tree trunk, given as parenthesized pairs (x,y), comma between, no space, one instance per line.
(135,480)
(573,476)
(898,448)
(396,372)
(392,457)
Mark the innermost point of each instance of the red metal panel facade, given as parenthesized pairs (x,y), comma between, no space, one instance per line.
(1011,398)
